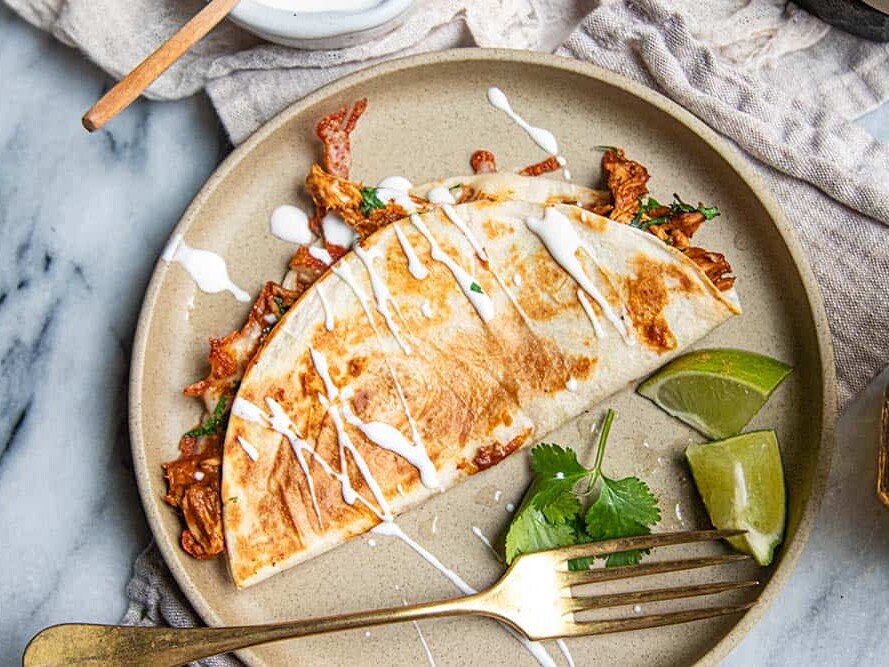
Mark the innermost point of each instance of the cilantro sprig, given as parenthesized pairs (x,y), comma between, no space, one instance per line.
(556,510)
(370,201)
(676,207)
(212,424)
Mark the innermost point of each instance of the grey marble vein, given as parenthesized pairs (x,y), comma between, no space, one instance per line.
(82,220)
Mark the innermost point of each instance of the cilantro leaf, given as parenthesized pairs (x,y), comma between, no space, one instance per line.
(558,474)
(550,460)
(475,287)
(709,212)
(625,508)
(557,502)
(553,511)
(370,201)
(580,564)
(530,531)
(213,424)
(676,207)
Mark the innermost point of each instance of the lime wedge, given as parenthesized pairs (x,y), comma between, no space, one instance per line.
(742,483)
(715,391)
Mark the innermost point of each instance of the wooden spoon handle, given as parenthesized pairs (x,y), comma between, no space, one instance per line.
(133,84)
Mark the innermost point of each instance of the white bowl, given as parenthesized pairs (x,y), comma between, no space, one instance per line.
(318,30)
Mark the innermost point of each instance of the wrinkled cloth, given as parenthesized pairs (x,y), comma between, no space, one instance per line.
(831,177)
(773,80)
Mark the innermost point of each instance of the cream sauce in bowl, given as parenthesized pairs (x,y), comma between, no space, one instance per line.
(320,24)
(318,6)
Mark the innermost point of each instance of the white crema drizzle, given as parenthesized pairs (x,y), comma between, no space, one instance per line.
(479,300)
(396,189)
(336,231)
(291,224)
(562,242)
(590,313)
(390,438)
(249,449)
(382,295)
(381,434)
(391,529)
(321,254)
(325,305)
(440,195)
(417,269)
(454,217)
(543,138)
(206,268)
(343,273)
(279,422)
(346,276)
(344,442)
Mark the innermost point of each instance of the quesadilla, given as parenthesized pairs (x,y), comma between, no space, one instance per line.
(346,212)
(442,344)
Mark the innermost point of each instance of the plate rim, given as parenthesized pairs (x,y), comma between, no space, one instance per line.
(168,547)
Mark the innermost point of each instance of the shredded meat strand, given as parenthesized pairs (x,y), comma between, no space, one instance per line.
(546,166)
(193,479)
(202,511)
(714,265)
(333,130)
(483,162)
(306,268)
(230,355)
(342,196)
(678,229)
(627,181)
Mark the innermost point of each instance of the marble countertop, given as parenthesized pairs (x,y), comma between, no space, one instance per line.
(82,220)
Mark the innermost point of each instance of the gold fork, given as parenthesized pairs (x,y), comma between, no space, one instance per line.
(534,597)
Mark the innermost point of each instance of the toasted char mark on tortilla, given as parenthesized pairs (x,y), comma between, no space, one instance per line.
(496,228)
(546,289)
(595,223)
(490,455)
(647,297)
(582,367)
(609,290)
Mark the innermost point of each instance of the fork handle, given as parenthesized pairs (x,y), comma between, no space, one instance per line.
(86,644)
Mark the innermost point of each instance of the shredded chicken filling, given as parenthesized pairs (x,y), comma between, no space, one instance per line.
(675,224)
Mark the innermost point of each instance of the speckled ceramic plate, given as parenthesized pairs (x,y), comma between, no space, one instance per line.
(426,115)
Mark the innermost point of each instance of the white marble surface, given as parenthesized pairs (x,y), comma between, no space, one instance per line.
(81,222)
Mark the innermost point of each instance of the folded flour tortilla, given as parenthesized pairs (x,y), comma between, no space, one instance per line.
(443,343)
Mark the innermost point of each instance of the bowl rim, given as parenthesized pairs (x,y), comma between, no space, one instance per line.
(791,551)
(256,16)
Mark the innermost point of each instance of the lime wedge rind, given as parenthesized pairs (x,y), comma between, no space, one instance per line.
(716,392)
(741,481)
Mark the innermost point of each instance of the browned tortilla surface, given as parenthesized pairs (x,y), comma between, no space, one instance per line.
(476,391)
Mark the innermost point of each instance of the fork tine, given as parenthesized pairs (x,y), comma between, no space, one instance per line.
(654,620)
(606,547)
(657,567)
(654,595)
